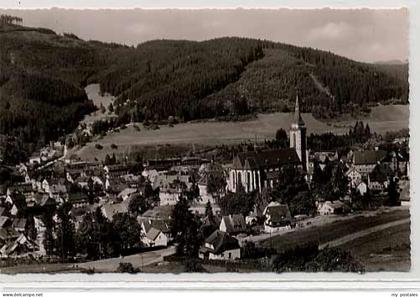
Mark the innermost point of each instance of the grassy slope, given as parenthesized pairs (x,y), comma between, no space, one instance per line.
(326,233)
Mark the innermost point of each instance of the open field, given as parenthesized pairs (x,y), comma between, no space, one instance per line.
(388,249)
(92,92)
(381,120)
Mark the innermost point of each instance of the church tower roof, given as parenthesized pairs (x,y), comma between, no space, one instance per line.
(298,117)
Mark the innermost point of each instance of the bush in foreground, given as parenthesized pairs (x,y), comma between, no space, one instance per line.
(127,268)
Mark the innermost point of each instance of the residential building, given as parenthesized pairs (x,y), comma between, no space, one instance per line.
(233,224)
(277,217)
(220,246)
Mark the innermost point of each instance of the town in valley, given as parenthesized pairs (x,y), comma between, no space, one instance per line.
(294,201)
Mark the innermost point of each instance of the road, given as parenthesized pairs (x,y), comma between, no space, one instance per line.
(138,260)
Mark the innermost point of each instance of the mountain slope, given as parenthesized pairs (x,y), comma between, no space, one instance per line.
(42,76)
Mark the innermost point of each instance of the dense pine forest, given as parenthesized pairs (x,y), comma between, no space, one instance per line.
(42,76)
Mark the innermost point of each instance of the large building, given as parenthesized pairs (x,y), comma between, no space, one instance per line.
(257,170)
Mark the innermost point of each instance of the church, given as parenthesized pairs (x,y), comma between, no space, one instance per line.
(257,170)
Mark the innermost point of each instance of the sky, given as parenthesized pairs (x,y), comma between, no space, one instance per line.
(368,35)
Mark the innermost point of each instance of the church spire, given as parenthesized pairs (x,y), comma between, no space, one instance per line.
(298,118)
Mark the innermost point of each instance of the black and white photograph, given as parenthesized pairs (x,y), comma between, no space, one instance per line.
(232,140)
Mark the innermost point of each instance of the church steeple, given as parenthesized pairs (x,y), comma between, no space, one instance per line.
(298,117)
(297,134)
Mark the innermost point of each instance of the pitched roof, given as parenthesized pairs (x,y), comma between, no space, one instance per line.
(277,213)
(160,224)
(111,209)
(153,233)
(3,220)
(162,212)
(368,157)
(219,241)
(234,223)
(19,223)
(268,158)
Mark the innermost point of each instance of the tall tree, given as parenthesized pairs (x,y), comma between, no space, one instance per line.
(65,242)
(184,229)
(129,230)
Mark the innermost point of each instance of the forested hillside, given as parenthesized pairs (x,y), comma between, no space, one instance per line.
(42,75)
(234,76)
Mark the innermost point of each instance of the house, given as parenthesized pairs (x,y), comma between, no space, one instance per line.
(20,247)
(354,176)
(365,161)
(233,224)
(155,237)
(220,246)
(169,196)
(330,207)
(159,212)
(277,217)
(111,209)
(117,170)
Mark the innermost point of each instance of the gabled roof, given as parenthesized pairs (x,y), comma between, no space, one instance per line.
(368,157)
(3,221)
(220,242)
(265,159)
(160,224)
(109,210)
(153,233)
(19,223)
(162,212)
(234,223)
(277,213)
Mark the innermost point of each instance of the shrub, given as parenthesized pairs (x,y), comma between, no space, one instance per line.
(193,266)
(114,146)
(98,146)
(127,268)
